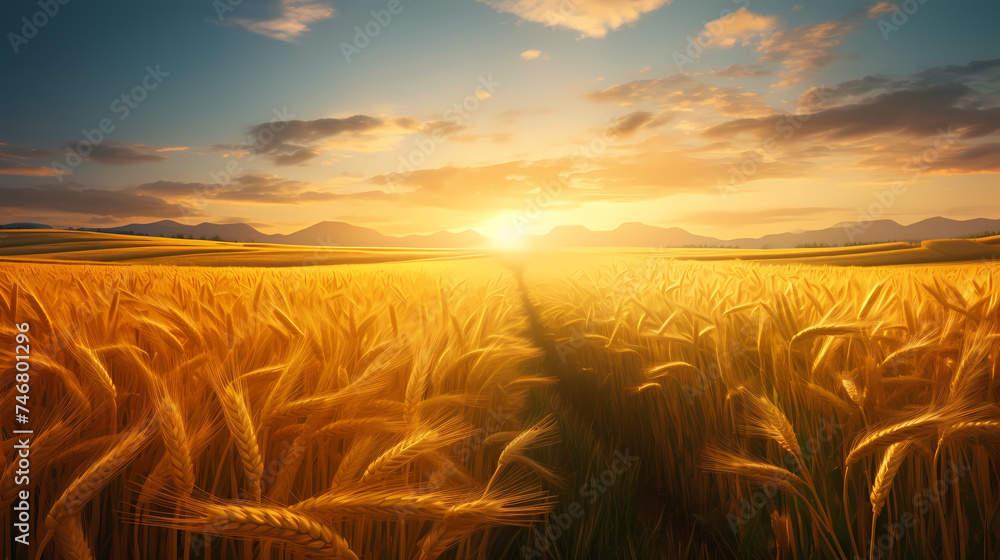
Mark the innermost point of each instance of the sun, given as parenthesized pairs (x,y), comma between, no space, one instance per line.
(503,233)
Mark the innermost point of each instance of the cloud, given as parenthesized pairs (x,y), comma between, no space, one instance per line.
(531,55)
(504,185)
(21,152)
(950,114)
(915,113)
(981,76)
(247,189)
(651,173)
(738,28)
(740,71)
(630,123)
(15,167)
(593,18)
(296,142)
(881,9)
(293,20)
(14,160)
(898,159)
(297,157)
(681,91)
(441,128)
(805,50)
(76,199)
(641,172)
(112,152)
(980,158)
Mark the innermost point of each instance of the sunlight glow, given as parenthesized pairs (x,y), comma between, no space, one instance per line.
(503,233)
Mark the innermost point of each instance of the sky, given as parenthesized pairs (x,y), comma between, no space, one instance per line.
(729,118)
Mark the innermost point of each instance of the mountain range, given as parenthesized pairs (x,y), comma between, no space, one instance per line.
(340,234)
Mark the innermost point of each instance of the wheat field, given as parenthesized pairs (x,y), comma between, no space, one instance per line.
(634,408)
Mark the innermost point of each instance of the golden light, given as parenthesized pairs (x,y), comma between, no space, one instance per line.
(504,233)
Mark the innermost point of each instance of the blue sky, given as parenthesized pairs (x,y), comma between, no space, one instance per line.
(558,84)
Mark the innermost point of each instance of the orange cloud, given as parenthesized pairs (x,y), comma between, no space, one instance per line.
(881,9)
(681,91)
(531,55)
(12,161)
(739,27)
(593,18)
(805,50)
(293,21)
(14,168)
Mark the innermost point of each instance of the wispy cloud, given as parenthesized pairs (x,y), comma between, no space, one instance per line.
(683,92)
(14,167)
(247,189)
(112,152)
(802,51)
(805,50)
(293,20)
(299,141)
(17,160)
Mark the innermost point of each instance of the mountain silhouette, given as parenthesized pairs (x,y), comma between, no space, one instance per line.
(341,234)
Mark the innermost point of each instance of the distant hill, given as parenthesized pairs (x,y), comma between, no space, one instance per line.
(323,234)
(642,235)
(873,232)
(24,226)
(340,234)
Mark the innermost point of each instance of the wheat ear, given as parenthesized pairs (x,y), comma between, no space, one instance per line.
(882,484)
(541,434)
(177,444)
(296,530)
(241,425)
